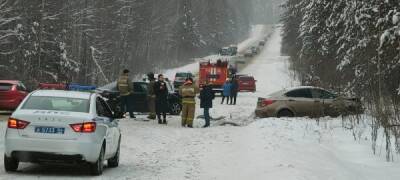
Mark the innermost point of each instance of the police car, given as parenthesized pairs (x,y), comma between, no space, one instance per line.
(57,126)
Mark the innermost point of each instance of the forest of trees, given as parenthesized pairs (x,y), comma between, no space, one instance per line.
(91,41)
(352,47)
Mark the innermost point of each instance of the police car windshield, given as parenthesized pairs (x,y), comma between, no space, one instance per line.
(57,104)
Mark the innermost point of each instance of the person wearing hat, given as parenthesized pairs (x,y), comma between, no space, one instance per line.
(206,102)
(151,96)
(161,100)
(125,88)
(188,93)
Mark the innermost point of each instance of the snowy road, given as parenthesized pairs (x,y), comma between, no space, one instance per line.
(257,33)
(271,148)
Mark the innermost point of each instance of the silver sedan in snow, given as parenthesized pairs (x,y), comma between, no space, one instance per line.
(306,101)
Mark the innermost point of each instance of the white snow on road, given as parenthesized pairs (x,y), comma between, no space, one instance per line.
(257,33)
(287,149)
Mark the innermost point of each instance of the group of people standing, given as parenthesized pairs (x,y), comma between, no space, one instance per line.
(157,97)
(230,91)
(188,92)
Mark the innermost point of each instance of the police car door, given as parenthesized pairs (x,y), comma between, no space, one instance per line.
(105,123)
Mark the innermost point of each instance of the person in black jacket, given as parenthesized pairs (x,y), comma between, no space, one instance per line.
(234,90)
(206,98)
(151,97)
(161,92)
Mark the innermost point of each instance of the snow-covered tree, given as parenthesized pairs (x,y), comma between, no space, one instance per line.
(91,41)
(351,46)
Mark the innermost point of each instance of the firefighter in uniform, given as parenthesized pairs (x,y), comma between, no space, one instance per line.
(125,88)
(188,93)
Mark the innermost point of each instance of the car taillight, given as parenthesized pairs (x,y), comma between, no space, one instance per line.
(87,127)
(17,124)
(267,102)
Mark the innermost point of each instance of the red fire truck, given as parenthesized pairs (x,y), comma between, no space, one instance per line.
(215,73)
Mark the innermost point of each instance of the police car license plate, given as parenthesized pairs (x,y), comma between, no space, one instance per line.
(49,130)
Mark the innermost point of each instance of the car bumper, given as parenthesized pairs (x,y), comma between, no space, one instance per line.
(247,88)
(264,112)
(20,147)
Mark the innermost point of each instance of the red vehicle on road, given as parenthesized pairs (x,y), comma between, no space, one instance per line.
(215,73)
(54,86)
(246,83)
(12,92)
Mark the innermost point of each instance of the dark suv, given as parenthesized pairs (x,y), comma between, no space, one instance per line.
(180,78)
(139,97)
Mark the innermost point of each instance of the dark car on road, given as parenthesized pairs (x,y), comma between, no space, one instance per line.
(139,97)
(180,78)
(248,53)
(255,50)
(261,43)
(229,51)
(233,49)
(307,101)
(12,92)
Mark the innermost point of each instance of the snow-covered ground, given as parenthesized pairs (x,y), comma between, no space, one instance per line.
(291,148)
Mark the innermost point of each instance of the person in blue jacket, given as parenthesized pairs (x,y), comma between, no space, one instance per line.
(226,92)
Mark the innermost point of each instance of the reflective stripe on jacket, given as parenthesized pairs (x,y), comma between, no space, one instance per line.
(188,93)
(190,100)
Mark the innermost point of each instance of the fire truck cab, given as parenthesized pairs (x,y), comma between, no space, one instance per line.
(214,73)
